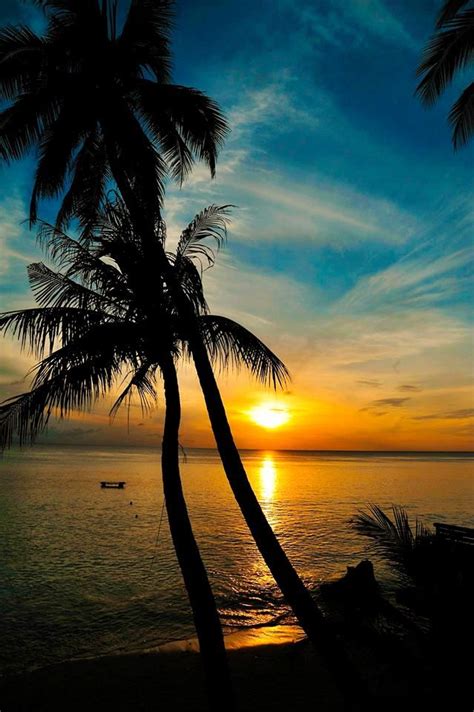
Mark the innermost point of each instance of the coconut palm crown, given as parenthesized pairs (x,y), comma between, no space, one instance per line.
(450,51)
(91,327)
(95,98)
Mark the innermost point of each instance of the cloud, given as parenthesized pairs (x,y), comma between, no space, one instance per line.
(460,414)
(393,402)
(374,406)
(384,402)
(339,25)
(324,213)
(377,19)
(276,205)
(415,282)
(266,106)
(347,340)
(374,384)
(409,388)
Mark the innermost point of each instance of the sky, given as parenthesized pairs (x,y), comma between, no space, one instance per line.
(350,252)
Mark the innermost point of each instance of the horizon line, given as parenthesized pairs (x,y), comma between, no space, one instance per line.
(247,449)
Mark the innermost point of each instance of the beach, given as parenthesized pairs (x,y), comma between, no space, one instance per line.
(273,669)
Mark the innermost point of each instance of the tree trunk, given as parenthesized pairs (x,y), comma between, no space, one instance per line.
(296,594)
(206,617)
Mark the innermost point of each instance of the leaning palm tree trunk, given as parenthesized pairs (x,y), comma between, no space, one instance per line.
(296,594)
(206,618)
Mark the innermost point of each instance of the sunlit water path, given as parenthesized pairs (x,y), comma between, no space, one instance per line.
(86,571)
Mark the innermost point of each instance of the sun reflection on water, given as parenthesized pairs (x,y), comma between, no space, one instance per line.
(268,476)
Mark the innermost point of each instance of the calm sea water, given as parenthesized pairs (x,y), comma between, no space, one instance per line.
(86,571)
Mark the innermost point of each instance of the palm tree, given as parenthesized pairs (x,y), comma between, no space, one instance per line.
(94,308)
(449,51)
(98,104)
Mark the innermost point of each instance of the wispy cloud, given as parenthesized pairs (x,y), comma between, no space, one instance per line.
(278,206)
(392,402)
(416,281)
(375,406)
(328,213)
(409,388)
(461,414)
(338,24)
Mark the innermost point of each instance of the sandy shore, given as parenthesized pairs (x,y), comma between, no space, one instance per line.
(272,669)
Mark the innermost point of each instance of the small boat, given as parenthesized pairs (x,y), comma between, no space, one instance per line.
(112,485)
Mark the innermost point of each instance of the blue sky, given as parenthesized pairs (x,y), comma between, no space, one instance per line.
(351,249)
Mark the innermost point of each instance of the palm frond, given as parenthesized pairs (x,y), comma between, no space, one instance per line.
(449,51)
(177,155)
(142,382)
(140,162)
(198,119)
(211,223)
(57,148)
(461,117)
(25,415)
(22,124)
(53,289)
(38,329)
(115,230)
(231,345)
(71,378)
(64,250)
(20,60)
(146,36)
(86,192)
(190,281)
(84,263)
(393,538)
(449,10)
(99,356)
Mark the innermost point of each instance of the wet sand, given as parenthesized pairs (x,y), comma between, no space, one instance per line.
(272,669)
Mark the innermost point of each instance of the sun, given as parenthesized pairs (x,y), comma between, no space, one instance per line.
(269,416)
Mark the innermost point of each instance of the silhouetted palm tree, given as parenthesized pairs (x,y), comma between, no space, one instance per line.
(449,51)
(94,308)
(98,104)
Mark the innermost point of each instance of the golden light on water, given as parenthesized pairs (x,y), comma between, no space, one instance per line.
(269,415)
(267,477)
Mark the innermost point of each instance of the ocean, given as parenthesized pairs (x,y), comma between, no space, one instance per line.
(87,571)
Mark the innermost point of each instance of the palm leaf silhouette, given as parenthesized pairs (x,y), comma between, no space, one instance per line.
(450,51)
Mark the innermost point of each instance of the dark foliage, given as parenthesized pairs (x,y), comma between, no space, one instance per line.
(450,51)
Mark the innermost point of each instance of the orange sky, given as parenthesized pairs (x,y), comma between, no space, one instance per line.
(324,420)
(358,382)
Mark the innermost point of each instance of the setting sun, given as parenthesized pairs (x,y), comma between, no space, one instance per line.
(269,416)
